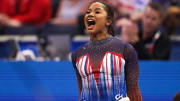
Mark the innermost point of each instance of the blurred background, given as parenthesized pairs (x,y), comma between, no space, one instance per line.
(37,38)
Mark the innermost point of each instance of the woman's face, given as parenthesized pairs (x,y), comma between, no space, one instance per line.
(96,18)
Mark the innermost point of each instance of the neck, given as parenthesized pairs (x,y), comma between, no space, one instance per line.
(99,36)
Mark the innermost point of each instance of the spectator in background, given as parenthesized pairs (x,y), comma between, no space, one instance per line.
(174,2)
(172,19)
(15,13)
(144,35)
(55,4)
(68,12)
(127,7)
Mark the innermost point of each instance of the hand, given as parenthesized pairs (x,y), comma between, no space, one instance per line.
(137,16)
(125,99)
(57,21)
(129,30)
(54,21)
(13,23)
(3,19)
(119,97)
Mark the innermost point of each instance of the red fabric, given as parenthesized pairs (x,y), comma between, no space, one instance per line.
(30,11)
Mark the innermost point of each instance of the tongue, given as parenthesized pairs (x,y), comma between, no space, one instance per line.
(90,27)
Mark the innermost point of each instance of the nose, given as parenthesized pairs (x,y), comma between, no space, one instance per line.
(91,14)
(149,20)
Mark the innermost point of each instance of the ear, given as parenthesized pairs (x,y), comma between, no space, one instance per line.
(108,22)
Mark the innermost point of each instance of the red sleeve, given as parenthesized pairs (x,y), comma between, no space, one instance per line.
(132,74)
(38,12)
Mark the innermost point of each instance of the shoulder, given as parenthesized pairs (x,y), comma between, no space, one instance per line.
(80,51)
(164,35)
(130,53)
(129,49)
(81,48)
(117,41)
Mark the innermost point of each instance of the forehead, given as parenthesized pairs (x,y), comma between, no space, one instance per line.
(152,12)
(97,5)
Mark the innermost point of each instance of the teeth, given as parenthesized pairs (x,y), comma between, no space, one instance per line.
(90,20)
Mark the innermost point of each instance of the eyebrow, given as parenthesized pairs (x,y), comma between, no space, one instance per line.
(98,9)
(95,9)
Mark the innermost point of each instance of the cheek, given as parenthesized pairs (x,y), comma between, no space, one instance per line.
(101,21)
(85,17)
(145,20)
(155,23)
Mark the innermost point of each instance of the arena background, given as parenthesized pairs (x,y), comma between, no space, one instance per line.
(52,78)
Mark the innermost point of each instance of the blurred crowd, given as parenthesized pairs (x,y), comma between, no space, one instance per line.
(146,24)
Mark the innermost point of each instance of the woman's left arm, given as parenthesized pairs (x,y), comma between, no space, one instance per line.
(132,74)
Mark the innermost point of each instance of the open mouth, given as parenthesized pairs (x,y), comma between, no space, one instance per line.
(91,23)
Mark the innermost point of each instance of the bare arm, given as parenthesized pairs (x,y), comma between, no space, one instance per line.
(61,3)
(60,21)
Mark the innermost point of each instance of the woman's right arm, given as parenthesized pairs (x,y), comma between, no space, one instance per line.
(78,77)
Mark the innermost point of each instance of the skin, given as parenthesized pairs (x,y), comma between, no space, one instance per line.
(98,13)
(150,19)
(6,21)
(129,30)
(99,31)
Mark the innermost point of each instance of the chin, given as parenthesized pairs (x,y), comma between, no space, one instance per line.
(91,31)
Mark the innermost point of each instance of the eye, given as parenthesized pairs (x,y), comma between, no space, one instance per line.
(154,19)
(88,11)
(148,17)
(97,12)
